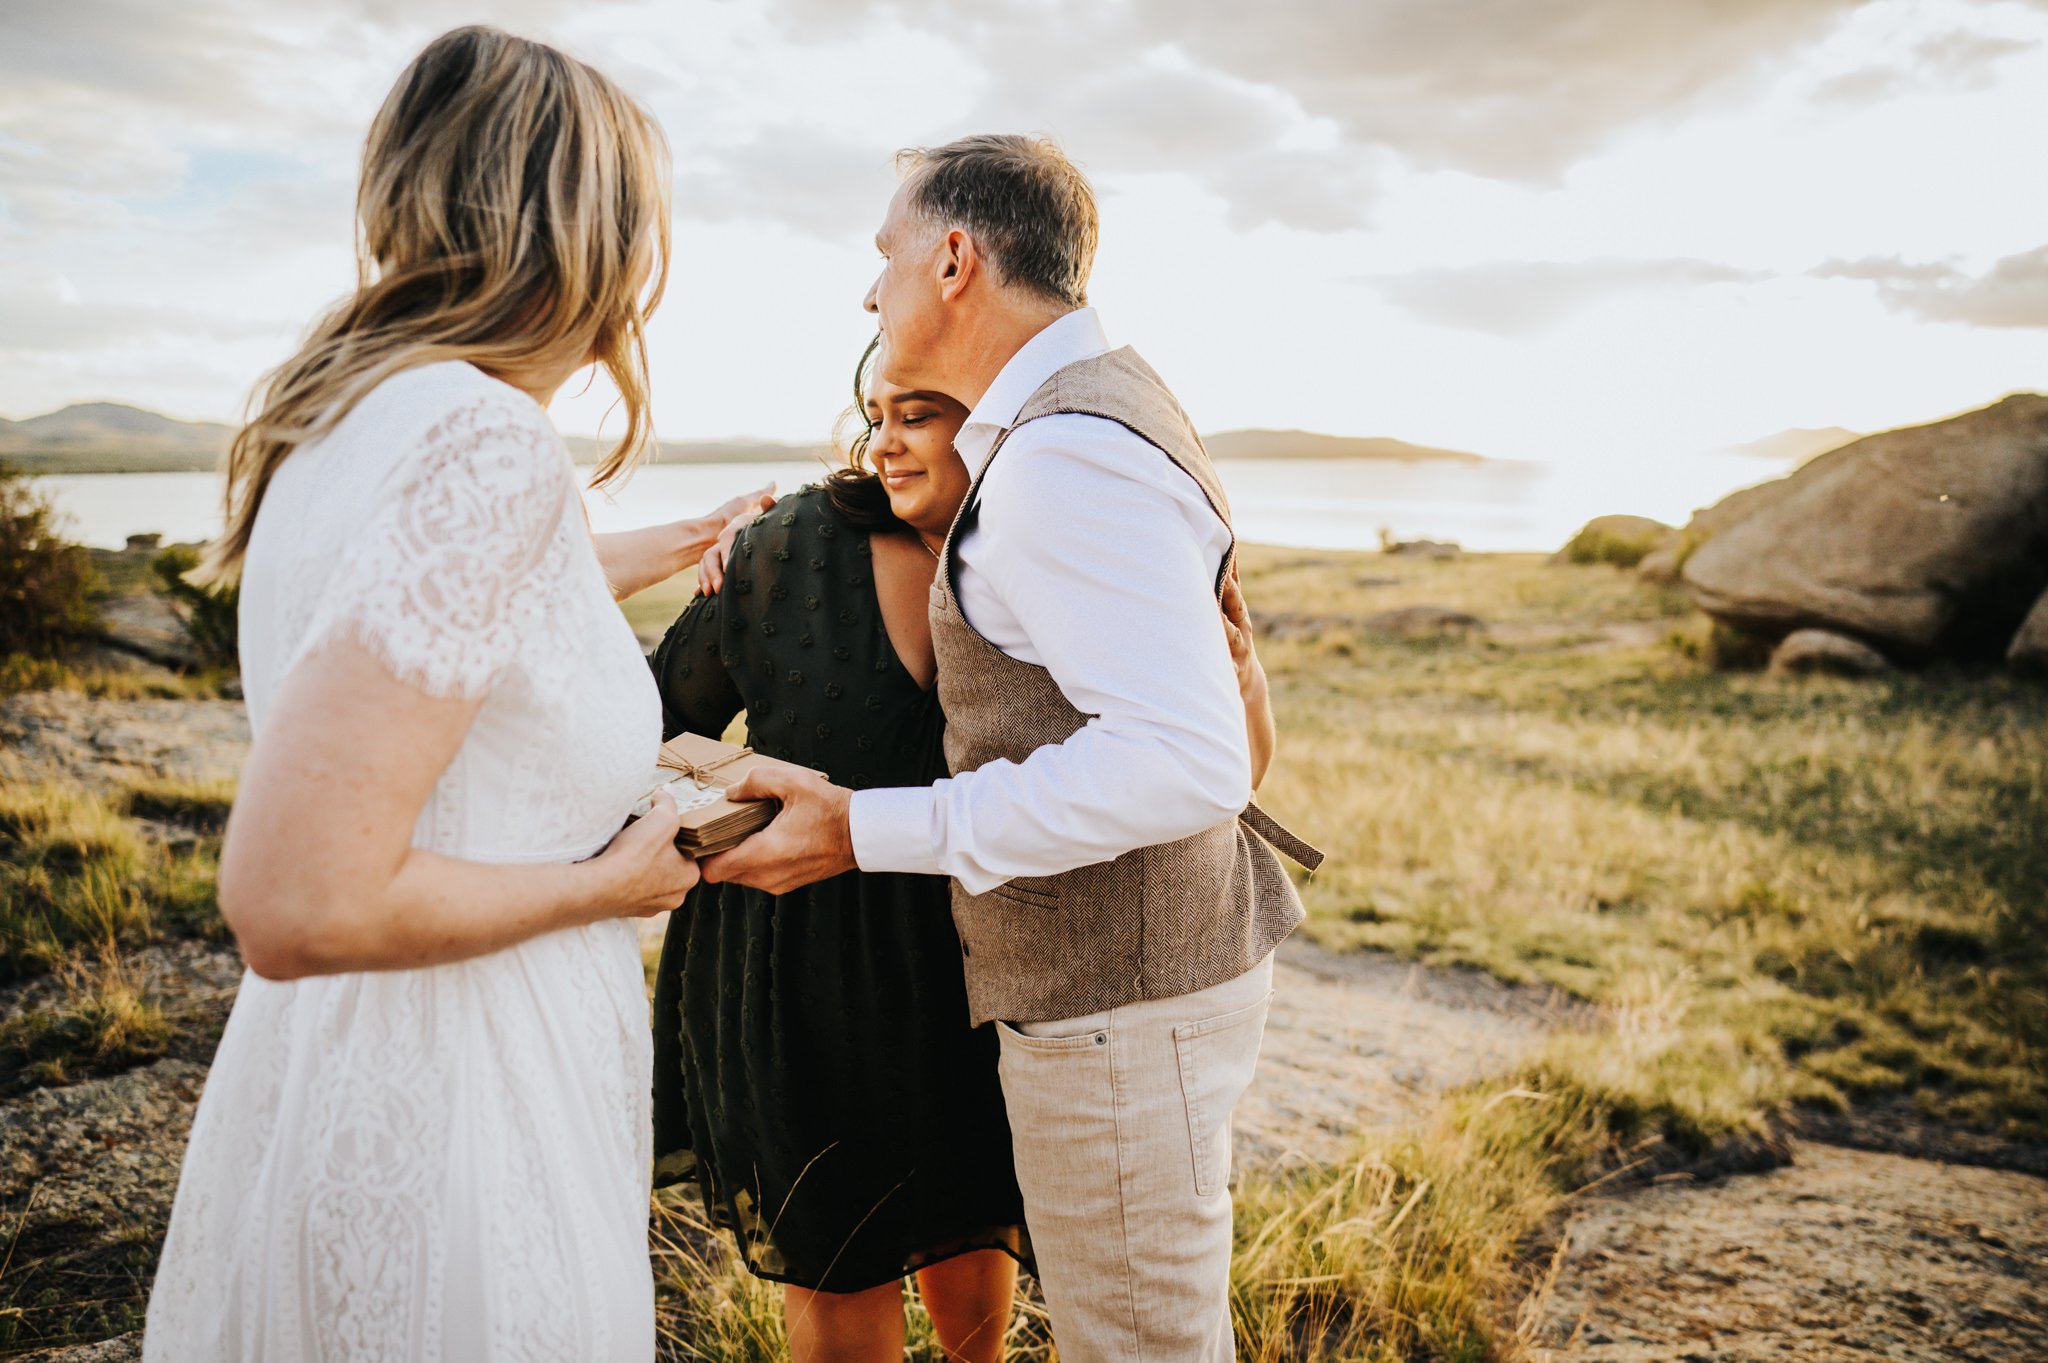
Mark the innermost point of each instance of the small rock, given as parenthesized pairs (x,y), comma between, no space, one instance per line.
(1660,566)
(1296,625)
(1423,622)
(122,1349)
(2029,648)
(1820,650)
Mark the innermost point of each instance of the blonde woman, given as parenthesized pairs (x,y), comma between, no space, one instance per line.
(425,1134)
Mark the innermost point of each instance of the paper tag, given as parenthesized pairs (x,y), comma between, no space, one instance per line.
(680,789)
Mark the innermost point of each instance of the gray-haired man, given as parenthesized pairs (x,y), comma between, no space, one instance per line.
(1117,911)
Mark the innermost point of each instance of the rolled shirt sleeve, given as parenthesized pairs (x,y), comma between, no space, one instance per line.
(1096,557)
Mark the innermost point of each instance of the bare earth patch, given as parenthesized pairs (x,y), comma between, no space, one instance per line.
(1846,1254)
(1362,1040)
(102,742)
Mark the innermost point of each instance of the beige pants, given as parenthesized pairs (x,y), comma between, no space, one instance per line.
(1121,1122)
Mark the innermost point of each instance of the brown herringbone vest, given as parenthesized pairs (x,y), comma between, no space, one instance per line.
(1155,923)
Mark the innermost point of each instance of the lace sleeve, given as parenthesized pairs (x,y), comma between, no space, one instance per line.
(451,572)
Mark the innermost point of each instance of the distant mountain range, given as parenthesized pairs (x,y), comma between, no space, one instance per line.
(1797,445)
(109,437)
(1258,444)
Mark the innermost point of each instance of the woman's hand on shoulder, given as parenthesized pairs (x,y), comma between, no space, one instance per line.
(648,874)
(711,567)
(1237,629)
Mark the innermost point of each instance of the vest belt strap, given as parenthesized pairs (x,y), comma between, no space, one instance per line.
(1277,836)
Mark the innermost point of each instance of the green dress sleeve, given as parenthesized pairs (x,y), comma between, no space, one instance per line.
(697,692)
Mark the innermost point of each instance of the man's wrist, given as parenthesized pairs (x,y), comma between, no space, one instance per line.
(890,829)
(843,828)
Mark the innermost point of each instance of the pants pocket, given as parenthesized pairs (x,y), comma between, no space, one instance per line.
(1217,1058)
(1085,1038)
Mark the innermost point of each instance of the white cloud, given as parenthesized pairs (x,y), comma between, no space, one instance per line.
(1581,220)
(2013,292)
(1526,297)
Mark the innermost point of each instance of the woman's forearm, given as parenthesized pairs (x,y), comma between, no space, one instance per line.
(434,910)
(318,873)
(634,560)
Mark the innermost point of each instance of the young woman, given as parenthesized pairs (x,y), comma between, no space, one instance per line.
(814,1068)
(425,1132)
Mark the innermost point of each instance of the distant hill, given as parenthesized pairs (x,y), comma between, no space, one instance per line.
(1258,444)
(588,450)
(1797,445)
(109,437)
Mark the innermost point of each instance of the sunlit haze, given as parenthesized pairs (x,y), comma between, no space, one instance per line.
(1596,232)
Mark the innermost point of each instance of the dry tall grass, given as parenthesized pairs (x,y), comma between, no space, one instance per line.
(1769,893)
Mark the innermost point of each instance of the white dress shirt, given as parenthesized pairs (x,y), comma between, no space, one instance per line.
(1095,557)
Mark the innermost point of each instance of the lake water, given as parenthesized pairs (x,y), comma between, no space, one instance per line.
(1306,503)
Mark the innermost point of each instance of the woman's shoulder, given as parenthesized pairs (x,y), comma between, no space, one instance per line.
(443,400)
(447,415)
(807,516)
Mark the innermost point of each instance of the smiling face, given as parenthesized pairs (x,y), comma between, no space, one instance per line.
(905,295)
(911,449)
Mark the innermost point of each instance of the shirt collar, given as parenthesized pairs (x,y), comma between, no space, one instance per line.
(1076,336)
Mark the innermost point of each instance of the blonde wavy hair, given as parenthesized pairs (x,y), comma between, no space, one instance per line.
(513,212)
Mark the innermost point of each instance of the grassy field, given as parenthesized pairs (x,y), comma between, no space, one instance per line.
(1777,893)
(1771,895)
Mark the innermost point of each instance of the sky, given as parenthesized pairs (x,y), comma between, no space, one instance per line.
(1588,232)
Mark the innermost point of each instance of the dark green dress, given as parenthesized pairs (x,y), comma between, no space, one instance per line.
(813,1065)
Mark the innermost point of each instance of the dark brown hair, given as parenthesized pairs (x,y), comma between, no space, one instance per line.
(1026,205)
(856,493)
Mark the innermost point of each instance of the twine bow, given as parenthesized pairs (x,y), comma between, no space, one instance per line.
(698,772)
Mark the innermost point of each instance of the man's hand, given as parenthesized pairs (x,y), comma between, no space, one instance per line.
(810,840)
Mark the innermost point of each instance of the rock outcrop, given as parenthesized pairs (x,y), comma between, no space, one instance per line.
(1926,542)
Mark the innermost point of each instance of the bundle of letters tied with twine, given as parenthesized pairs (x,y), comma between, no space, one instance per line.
(697,772)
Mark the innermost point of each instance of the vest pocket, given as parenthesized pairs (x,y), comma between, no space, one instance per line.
(1040,892)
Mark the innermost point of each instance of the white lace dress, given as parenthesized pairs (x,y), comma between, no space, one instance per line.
(447,1165)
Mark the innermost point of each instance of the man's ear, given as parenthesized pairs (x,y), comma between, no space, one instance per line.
(958,262)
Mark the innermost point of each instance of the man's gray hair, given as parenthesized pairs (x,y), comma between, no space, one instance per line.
(1028,208)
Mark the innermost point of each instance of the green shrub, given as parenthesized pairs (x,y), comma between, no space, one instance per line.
(208,613)
(1621,540)
(1595,546)
(46,584)
(74,872)
(19,672)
